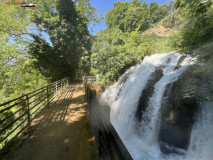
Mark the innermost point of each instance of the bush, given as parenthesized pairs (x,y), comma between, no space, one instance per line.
(115,51)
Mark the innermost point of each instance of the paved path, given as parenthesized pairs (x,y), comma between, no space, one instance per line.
(59,132)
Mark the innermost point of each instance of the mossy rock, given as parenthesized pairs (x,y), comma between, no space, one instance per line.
(182,100)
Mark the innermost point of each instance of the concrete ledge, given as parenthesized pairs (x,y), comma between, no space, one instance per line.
(109,143)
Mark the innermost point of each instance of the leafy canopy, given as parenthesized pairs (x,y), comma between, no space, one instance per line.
(128,16)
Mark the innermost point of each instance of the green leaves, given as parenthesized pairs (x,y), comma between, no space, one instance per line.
(127,16)
(115,16)
(17,75)
(87,11)
(200,7)
(199,30)
(115,51)
(15,64)
(134,17)
(196,32)
(66,23)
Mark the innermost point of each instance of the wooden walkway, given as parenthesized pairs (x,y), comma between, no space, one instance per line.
(59,132)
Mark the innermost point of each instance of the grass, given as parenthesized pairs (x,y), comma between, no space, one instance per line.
(160,44)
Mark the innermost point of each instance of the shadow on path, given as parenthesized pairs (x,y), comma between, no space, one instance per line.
(59,132)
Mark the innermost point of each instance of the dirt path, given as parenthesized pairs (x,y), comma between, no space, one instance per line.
(59,132)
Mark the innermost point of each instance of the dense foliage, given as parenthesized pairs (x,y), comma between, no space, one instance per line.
(114,51)
(195,35)
(197,23)
(37,46)
(70,38)
(128,16)
(52,41)
(17,71)
(122,44)
(43,44)
(197,81)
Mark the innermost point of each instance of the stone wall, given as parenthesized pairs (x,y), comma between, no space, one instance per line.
(109,143)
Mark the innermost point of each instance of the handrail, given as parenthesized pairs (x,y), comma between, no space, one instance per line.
(16,114)
(32,92)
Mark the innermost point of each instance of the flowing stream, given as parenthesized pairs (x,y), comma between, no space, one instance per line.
(141,139)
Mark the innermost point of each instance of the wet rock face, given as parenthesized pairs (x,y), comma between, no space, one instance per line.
(147,93)
(177,119)
(179,62)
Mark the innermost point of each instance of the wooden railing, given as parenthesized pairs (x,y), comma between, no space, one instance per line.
(16,115)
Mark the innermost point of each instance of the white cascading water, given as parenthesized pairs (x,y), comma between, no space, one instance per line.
(201,146)
(123,98)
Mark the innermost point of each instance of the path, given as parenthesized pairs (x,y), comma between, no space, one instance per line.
(59,132)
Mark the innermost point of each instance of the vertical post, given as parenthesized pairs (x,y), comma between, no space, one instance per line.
(56,88)
(47,96)
(97,77)
(61,84)
(83,79)
(28,108)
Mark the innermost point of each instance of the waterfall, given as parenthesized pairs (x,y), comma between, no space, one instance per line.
(201,138)
(140,138)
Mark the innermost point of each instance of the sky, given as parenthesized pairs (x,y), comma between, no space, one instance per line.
(106,5)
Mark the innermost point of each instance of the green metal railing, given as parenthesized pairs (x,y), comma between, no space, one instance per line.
(16,115)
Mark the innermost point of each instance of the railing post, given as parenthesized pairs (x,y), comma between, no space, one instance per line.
(28,108)
(56,88)
(61,84)
(47,96)
(83,80)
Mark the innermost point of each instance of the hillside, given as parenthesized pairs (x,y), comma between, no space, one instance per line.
(159,29)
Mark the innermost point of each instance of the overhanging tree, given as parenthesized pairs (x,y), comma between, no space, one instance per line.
(65,23)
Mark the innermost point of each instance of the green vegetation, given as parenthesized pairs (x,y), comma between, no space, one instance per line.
(66,26)
(71,41)
(43,44)
(37,46)
(127,16)
(18,74)
(122,44)
(195,35)
(52,41)
(197,81)
(197,23)
(115,51)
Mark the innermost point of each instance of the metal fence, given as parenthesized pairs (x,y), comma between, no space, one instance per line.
(88,78)
(16,115)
